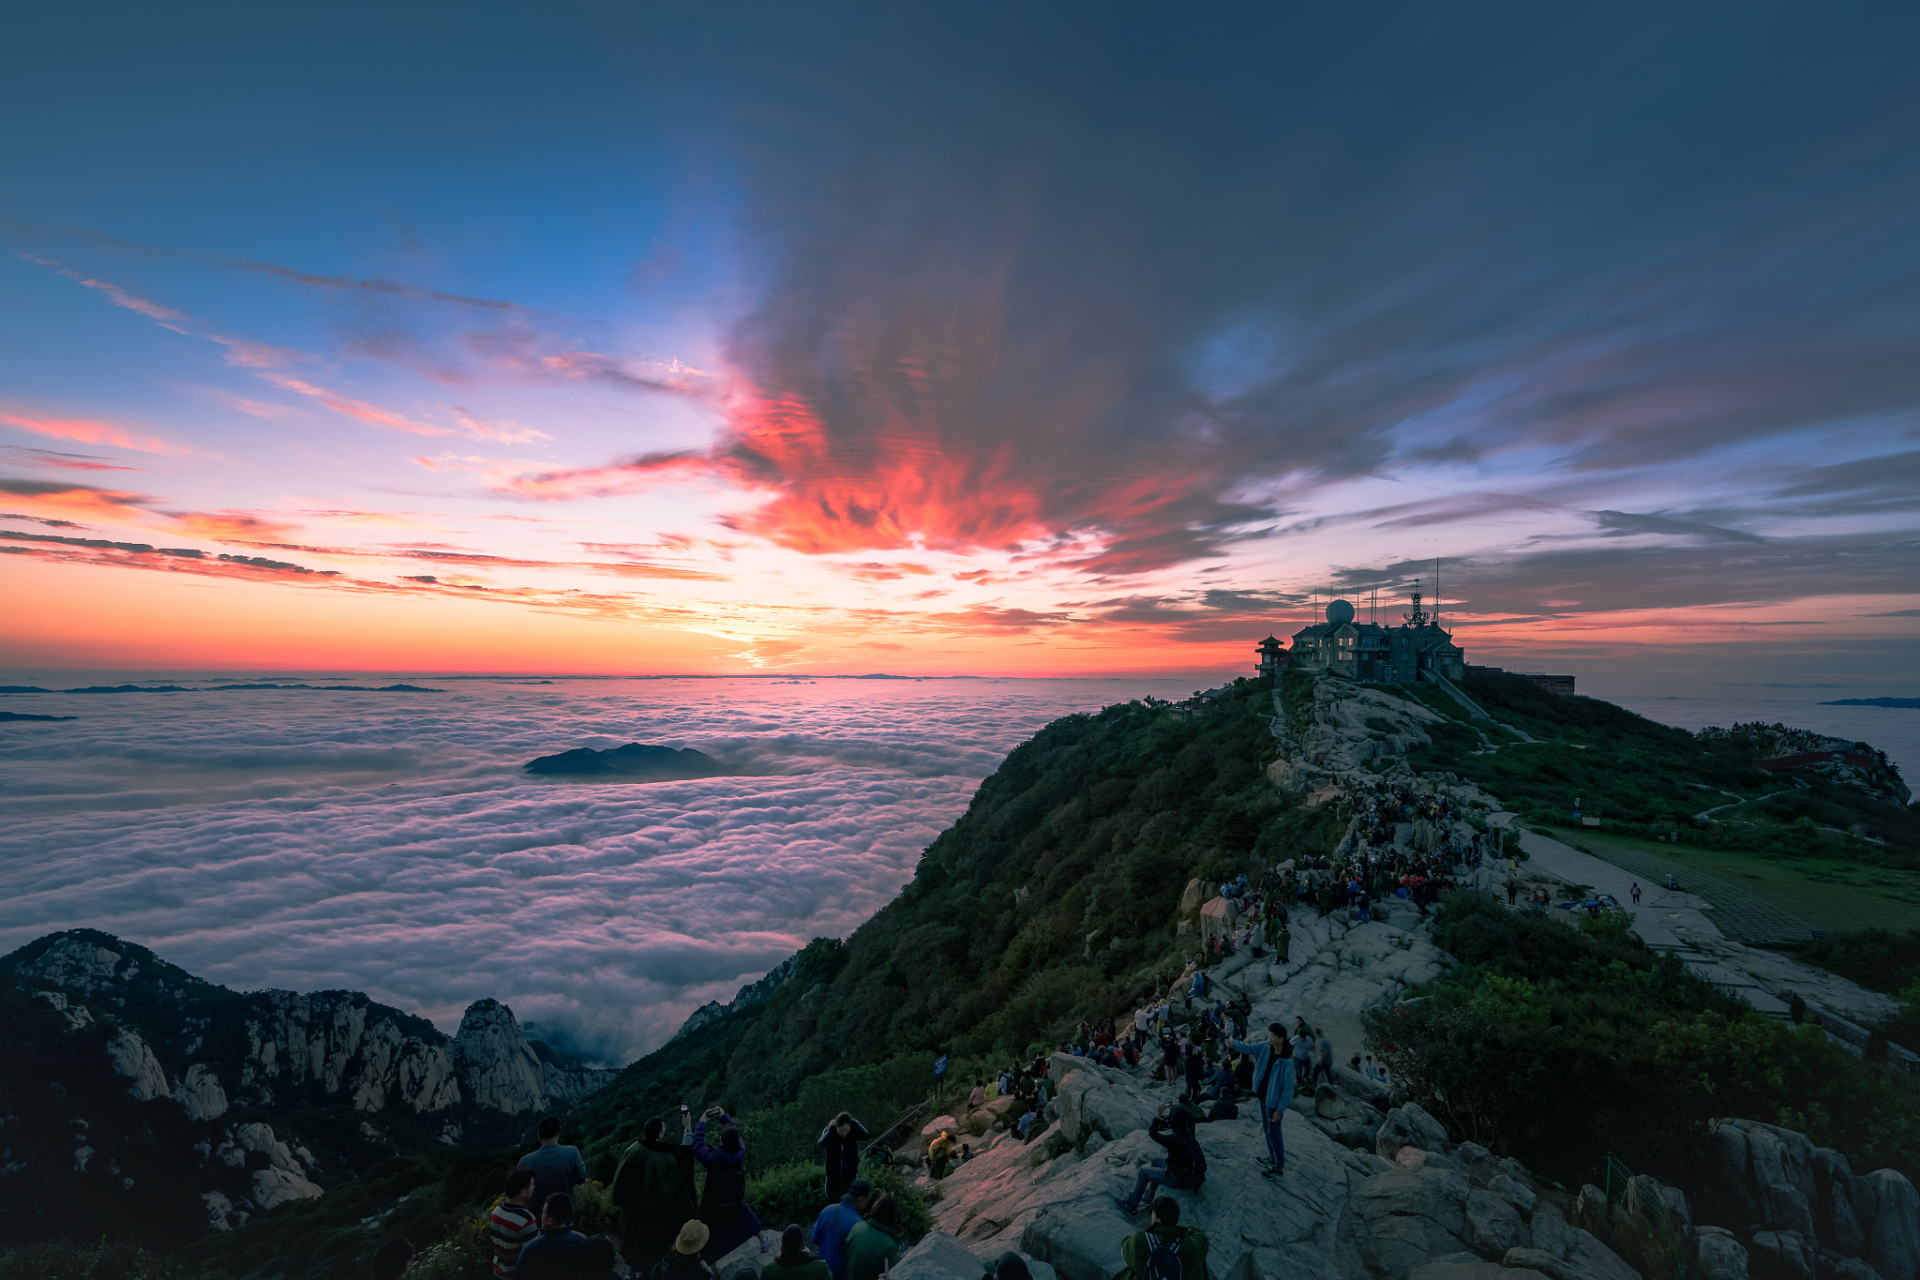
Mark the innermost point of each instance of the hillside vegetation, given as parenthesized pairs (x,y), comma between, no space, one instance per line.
(1651,779)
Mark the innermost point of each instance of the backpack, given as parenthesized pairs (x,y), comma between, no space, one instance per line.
(1163,1257)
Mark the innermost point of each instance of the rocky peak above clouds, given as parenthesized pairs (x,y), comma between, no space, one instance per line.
(144,1066)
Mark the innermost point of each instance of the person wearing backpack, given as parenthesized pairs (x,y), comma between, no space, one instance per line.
(1272,1089)
(1165,1250)
(1185,1166)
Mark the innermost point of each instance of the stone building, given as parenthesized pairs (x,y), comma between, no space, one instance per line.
(1368,651)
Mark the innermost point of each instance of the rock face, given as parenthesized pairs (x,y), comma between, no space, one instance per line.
(1792,1199)
(343,1043)
(99,1029)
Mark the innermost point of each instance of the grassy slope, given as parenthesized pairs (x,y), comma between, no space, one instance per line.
(1829,893)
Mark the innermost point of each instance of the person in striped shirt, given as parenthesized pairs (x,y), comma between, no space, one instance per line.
(513,1222)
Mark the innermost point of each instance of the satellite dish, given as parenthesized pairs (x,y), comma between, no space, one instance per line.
(1339,612)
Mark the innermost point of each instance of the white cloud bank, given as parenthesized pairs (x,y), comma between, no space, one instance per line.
(390,843)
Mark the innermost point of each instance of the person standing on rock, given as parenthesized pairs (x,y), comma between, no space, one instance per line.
(1165,1250)
(839,1145)
(1323,1058)
(1273,1088)
(653,1189)
(556,1169)
(836,1222)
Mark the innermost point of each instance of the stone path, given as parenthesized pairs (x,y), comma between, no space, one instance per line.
(1738,912)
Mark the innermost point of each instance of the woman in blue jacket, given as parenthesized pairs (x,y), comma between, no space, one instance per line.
(1273,1087)
(723,1204)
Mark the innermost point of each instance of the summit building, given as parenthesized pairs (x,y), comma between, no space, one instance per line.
(1368,651)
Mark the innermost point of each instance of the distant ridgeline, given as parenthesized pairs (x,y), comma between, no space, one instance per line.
(135,1094)
(1873,702)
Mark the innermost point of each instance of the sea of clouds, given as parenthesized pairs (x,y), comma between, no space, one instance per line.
(391,843)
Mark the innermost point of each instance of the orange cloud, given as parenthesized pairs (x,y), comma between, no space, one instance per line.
(89,431)
(77,500)
(230,526)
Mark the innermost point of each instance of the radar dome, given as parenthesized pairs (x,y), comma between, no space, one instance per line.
(1339,612)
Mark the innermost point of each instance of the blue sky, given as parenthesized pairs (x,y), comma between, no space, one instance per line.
(1039,340)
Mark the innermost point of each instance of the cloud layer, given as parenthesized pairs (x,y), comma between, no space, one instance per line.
(389,842)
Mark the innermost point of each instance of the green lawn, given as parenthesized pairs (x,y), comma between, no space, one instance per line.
(1827,893)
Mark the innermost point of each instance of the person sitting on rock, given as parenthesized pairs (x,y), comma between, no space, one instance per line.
(836,1222)
(940,1154)
(874,1246)
(1272,1089)
(1165,1250)
(555,1168)
(1183,1168)
(978,1098)
(1009,1266)
(794,1261)
(683,1261)
(1029,1123)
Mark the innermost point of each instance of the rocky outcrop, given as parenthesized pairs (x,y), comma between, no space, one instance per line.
(131,1057)
(1795,1202)
(200,1094)
(341,1043)
(756,992)
(100,1032)
(1339,1212)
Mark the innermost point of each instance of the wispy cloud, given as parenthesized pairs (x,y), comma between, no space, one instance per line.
(89,431)
(230,262)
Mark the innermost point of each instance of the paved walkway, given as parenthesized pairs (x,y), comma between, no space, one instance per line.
(1738,912)
(1666,920)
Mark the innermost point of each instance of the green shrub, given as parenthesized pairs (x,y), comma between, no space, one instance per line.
(792,1192)
(464,1253)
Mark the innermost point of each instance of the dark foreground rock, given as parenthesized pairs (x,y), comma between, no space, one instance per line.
(637,761)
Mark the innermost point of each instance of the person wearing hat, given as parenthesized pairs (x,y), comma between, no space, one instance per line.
(874,1245)
(683,1261)
(836,1222)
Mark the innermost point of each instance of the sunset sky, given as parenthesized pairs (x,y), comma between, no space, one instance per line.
(1022,339)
